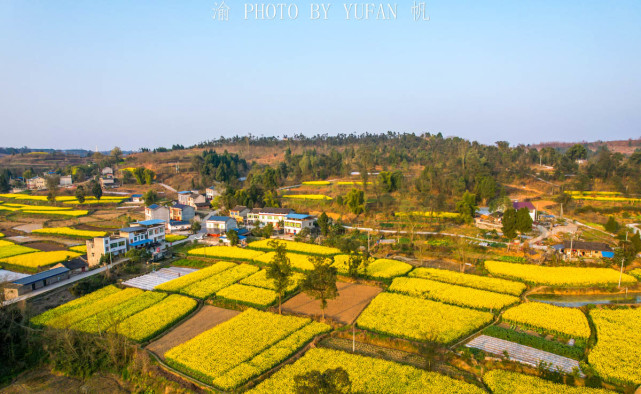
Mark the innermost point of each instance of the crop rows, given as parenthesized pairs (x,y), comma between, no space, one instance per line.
(296,247)
(452,294)
(366,374)
(70,232)
(417,319)
(558,276)
(567,322)
(475,281)
(31,262)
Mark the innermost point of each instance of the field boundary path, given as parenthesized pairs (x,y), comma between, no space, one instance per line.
(378,230)
(171,189)
(523,354)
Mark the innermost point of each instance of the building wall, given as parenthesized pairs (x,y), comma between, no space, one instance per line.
(161,213)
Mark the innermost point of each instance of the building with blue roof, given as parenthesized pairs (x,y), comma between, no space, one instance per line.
(34,282)
(219,225)
(294,223)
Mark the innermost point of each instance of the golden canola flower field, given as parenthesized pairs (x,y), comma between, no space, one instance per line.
(507,382)
(558,276)
(418,319)
(452,294)
(180,283)
(248,295)
(242,347)
(8,249)
(298,261)
(211,285)
(317,197)
(259,279)
(70,232)
(475,281)
(226,252)
(296,247)
(31,262)
(141,315)
(367,375)
(617,354)
(568,322)
(429,214)
(377,268)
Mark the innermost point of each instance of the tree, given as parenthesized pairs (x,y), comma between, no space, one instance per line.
(523,220)
(80,194)
(331,381)
(150,197)
(127,177)
(357,262)
(355,200)
(268,230)
(28,174)
(486,188)
(467,207)
(139,174)
(611,226)
(148,176)
(116,154)
(624,255)
(232,236)
(52,182)
(279,270)
(509,223)
(138,255)
(324,223)
(96,190)
(577,152)
(195,226)
(320,283)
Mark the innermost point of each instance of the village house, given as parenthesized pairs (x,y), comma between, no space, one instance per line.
(239,212)
(107,182)
(137,198)
(36,183)
(181,212)
(37,281)
(265,216)
(75,266)
(183,197)
(571,249)
(100,246)
(296,222)
(526,204)
(66,180)
(107,172)
(157,212)
(144,234)
(210,193)
(198,201)
(218,225)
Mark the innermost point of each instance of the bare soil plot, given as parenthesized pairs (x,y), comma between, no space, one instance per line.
(46,246)
(352,299)
(207,318)
(27,228)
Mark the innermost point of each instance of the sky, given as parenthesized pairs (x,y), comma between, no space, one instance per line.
(143,73)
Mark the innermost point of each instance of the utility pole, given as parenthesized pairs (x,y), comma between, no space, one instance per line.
(354,337)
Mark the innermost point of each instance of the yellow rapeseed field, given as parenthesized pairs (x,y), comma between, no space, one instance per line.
(569,322)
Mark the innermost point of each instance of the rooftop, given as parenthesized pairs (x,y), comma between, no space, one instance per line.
(41,276)
(151,222)
(238,208)
(181,206)
(298,216)
(136,195)
(523,204)
(218,218)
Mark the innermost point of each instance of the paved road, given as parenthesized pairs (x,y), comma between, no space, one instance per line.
(171,189)
(62,283)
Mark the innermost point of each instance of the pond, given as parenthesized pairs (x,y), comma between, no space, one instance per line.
(585,299)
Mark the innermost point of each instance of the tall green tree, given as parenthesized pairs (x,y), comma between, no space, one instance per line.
(279,270)
(611,226)
(232,236)
(320,283)
(331,381)
(148,176)
(509,223)
(96,190)
(80,194)
(150,197)
(324,223)
(523,221)
(467,207)
(355,200)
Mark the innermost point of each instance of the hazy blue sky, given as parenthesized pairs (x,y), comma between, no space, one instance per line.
(153,73)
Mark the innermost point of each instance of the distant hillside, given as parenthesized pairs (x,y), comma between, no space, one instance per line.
(626,147)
